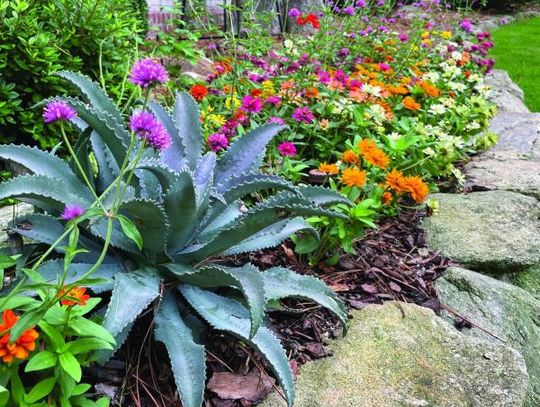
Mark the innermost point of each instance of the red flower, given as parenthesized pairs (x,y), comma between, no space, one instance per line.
(255,92)
(75,296)
(309,19)
(22,346)
(198,92)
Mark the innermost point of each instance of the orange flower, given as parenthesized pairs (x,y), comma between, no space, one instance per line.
(430,90)
(311,93)
(255,92)
(75,296)
(373,154)
(411,104)
(286,85)
(349,157)
(387,197)
(198,92)
(397,89)
(22,346)
(328,168)
(396,181)
(417,188)
(324,123)
(353,177)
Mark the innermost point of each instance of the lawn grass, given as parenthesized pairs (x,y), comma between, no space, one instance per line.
(517,50)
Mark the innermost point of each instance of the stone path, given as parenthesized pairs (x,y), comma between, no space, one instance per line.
(494,232)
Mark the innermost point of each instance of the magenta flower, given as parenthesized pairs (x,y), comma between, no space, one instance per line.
(151,130)
(384,67)
(275,120)
(147,72)
(287,149)
(58,111)
(251,104)
(71,212)
(303,115)
(294,13)
(218,141)
(403,37)
(273,100)
(466,25)
(349,10)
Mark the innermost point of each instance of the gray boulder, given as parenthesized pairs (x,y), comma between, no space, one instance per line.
(505,311)
(493,231)
(506,94)
(400,354)
(517,132)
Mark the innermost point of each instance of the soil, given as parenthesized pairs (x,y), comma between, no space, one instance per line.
(391,263)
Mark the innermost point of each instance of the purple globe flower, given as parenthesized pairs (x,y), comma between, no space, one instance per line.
(294,13)
(147,72)
(349,10)
(149,129)
(287,149)
(218,141)
(58,111)
(71,212)
(360,3)
(303,115)
(466,25)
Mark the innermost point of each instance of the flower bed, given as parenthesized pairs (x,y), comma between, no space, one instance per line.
(314,138)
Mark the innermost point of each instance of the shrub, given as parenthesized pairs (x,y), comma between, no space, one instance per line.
(40,37)
(166,216)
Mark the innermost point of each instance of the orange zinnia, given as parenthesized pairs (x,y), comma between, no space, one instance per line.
(22,346)
(411,104)
(353,177)
(373,154)
(198,92)
(311,93)
(430,90)
(328,168)
(387,198)
(75,296)
(349,157)
(396,181)
(417,188)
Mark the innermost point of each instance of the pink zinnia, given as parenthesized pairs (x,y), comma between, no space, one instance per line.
(303,115)
(58,111)
(147,72)
(275,120)
(71,212)
(287,149)
(273,100)
(251,104)
(218,141)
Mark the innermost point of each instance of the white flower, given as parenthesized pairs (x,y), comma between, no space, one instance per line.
(456,55)
(437,109)
(432,76)
(473,126)
(457,86)
(372,90)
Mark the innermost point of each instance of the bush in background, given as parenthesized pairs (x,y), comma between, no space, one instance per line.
(41,37)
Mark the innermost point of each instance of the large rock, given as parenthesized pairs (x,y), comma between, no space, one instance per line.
(493,231)
(517,131)
(507,171)
(8,214)
(529,280)
(505,93)
(400,354)
(506,311)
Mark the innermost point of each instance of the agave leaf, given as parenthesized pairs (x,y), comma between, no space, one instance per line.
(51,270)
(150,219)
(204,179)
(164,174)
(322,196)
(246,279)
(272,235)
(280,282)
(48,193)
(187,119)
(108,168)
(81,148)
(224,216)
(229,315)
(187,357)
(173,157)
(243,156)
(242,185)
(132,293)
(181,208)
(94,95)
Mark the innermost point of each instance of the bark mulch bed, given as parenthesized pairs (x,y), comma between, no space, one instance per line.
(391,263)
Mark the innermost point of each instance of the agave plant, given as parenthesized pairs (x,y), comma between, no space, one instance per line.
(188,209)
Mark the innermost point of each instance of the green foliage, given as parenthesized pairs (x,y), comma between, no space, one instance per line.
(168,215)
(39,38)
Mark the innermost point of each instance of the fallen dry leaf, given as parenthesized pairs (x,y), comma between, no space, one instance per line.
(230,386)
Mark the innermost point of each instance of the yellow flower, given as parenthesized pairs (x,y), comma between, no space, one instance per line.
(217,119)
(232,102)
(268,89)
(446,35)
(425,35)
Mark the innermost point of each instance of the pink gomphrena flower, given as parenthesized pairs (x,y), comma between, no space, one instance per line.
(218,142)
(349,10)
(58,111)
(251,104)
(287,149)
(466,25)
(147,72)
(403,37)
(151,130)
(303,115)
(275,120)
(71,212)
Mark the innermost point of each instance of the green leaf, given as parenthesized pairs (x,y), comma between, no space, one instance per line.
(187,120)
(246,279)
(244,184)
(230,316)
(27,321)
(81,389)
(70,365)
(322,196)
(130,230)
(4,396)
(40,390)
(151,221)
(131,294)
(85,327)
(187,357)
(280,282)
(52,269)
(54,334)
(41,360)
(88,345)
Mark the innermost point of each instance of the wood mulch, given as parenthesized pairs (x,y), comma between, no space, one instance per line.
(391,263)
